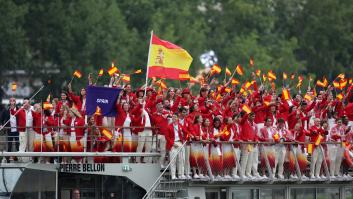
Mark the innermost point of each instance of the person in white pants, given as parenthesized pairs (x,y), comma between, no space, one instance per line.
(145,137)
(174,138)
(280,149)
(335,151)
(317,156)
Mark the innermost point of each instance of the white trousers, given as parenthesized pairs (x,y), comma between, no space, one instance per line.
(23,141)
(280,154)
(145,140)
(178,162)
(249,159)
(335,153)
(237,161)
(30,139)
(316,161)
(187,159)
(162,148)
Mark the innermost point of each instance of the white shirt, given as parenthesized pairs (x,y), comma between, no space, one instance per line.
(29,118)
(176,133)
(13,123)
(73,124)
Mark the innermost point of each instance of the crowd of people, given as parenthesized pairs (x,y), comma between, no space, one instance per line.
(220,130)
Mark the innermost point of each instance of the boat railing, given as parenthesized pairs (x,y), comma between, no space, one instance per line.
(164,175)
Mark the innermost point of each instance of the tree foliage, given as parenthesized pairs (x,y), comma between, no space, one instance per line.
(292,36)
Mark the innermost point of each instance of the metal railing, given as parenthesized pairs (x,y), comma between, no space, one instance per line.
(149,193)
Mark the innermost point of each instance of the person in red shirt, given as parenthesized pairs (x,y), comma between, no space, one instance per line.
(78,101)
(175,141)
(160,121)
(249,157)
(227,148)
(280,148)
(266,135)
(215,157)
(335,151)
(75,124)
(316,133)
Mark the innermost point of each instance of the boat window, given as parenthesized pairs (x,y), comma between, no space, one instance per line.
(328,193)
(302,193)
(211,195)
(272,193)
(245,194)
(349,193)
(35,184)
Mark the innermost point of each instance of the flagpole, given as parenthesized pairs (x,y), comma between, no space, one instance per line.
(148,61)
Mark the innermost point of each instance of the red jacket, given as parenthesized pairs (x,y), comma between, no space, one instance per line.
(170,135)
(248,129)
(21,119)
(49,122)
(78,102)
(315,132)
(79,123)
(260,114)
(266,135)
(159,122)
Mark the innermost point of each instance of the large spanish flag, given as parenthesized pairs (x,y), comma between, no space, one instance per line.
(167,60)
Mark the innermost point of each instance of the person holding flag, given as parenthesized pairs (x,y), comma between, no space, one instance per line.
(316,134)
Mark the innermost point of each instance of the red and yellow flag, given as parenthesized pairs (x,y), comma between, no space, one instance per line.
(107,134)
(320,84)
(216,69)
(339,96)
(126,78)
(251,61)
(239,70)
(112,70)
(228,73)
(285,94)
(98,111)
(246,108)
(77,74)
(167,60)
(341,76)
(138,71)
(13,86)
(271,75)
(47,106)
(235,81)
(285,76)
(258,72)
(101,72)
(318,140)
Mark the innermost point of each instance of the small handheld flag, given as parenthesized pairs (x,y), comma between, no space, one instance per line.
(14,86)
(77,74)
(239,69)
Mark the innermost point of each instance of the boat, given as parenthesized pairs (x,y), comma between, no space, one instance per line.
(130,179)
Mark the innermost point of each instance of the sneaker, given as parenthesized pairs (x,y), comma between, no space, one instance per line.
(249,176)
(281,177)
(188,177)
(317,177)
(3,161)
(257,176)
(174,178)
(235,176)
(323,177)
(312,176)
(218,177)
(304,177)
(201,175)
(182,177)
(196,176)
(227,177)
